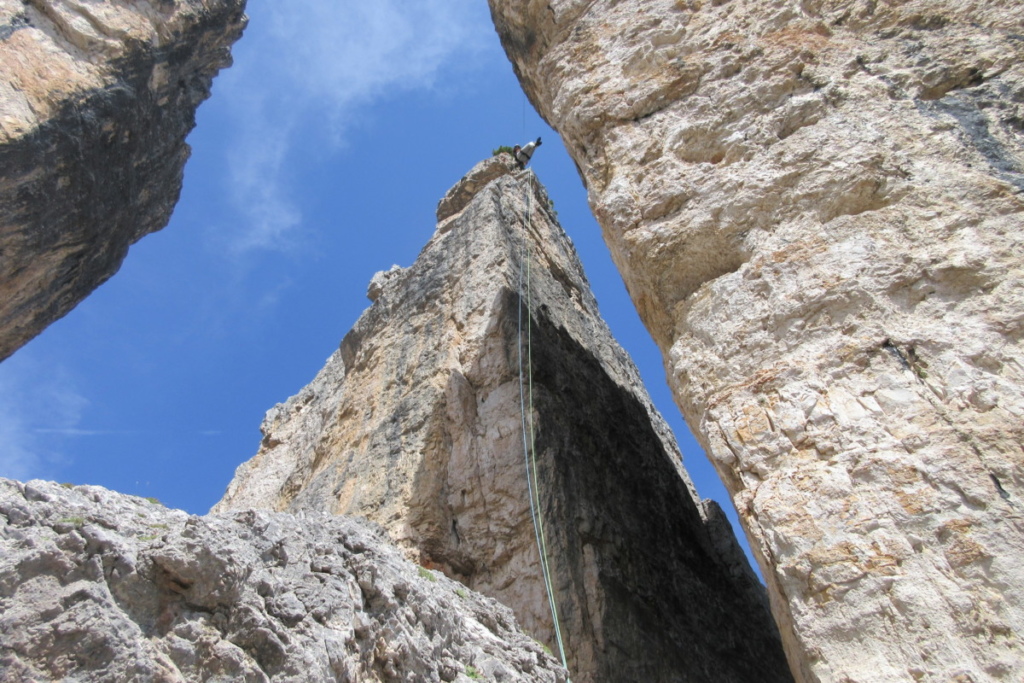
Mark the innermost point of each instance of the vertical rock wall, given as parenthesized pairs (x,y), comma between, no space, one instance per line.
(417,423)
(96,99)
(817,208)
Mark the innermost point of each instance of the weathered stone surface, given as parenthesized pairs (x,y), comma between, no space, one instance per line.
(817,209)
(456,199)
(417,422)
(96,99)
(99,586)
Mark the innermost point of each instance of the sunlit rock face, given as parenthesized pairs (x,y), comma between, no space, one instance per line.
(96,99)
(419,420)
(97,586)
(816,208)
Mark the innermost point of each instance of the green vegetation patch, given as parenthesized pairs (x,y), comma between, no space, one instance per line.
(73,521)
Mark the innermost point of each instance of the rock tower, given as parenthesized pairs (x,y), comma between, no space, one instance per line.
(491,340)
(818,210)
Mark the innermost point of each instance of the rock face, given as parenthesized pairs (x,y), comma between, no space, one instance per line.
(817,209)
(96,99)
(420,421)
(99,586)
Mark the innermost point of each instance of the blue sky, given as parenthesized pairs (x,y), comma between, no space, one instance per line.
(318,161)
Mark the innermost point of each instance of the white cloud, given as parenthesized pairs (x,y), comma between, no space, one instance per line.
(35,400)
(316,64)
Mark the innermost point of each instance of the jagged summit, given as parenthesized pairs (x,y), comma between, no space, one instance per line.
(458,197)
(417,422)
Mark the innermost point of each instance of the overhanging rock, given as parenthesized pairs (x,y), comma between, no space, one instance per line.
(95,102)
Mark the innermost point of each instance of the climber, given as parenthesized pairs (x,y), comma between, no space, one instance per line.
(523,154)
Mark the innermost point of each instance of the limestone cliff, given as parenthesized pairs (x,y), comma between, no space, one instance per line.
(817,208)
(96,99)
(99,586)
(419,422)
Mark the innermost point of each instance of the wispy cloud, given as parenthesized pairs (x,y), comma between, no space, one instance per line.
(71,431)
(311,66)
(35,399)
(44,415)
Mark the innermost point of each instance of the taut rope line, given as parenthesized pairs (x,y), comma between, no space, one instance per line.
(529,436)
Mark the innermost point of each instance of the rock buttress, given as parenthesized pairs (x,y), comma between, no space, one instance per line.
(95,104)
(416,423)
(817,209)
(98,586)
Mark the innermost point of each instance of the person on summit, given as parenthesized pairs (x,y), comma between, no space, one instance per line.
(523,154)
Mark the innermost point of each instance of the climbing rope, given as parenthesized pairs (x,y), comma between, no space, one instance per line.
(529,436)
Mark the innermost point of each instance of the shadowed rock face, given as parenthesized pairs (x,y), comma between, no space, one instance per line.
(417,423)
(817,209)
(95,104)
(99,586)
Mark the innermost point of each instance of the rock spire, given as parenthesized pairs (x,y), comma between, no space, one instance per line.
(417,422)
(95,102)
(818,209)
